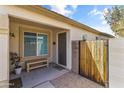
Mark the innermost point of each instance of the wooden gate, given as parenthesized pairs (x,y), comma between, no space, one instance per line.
(94,61)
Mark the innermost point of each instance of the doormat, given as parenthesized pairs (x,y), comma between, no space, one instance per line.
(15,83)
(58,67)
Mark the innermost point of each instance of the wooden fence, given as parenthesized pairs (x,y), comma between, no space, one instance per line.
(93,61)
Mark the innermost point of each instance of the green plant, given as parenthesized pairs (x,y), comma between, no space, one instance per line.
(15,59)
(115,18)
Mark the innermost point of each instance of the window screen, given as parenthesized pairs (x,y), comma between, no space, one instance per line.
(42,44)
(35,45)
(30,44)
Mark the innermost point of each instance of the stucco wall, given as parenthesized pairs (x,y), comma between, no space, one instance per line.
(32,16)
(4,50)
(16,43)
(77,34)
(54,37)
(36,17)
(116,62)
(73,34)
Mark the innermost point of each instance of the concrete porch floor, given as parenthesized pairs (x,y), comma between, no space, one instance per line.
(52,77)
(39,78)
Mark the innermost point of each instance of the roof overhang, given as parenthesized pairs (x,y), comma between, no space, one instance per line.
(54,15)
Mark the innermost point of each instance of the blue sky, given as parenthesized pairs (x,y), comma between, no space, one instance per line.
(91,15)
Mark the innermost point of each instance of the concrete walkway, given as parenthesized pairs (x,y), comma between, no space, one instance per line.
(69,80)
(54,78)
(46,84)
(72,80)
(39,76)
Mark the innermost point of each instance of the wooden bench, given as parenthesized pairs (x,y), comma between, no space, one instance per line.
(36,63)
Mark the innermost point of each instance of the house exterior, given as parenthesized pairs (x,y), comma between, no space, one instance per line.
(20,24)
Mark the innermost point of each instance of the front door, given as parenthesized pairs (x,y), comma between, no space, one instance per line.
(62,49)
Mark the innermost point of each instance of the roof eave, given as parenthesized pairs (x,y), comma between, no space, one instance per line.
(62,18)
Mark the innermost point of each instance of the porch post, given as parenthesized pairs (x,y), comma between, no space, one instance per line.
(4,50)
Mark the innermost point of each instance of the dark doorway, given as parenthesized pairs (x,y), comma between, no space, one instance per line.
(62,49)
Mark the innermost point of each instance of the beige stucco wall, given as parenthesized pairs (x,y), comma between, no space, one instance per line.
(4,50)
(54,36)
(16,43)
(77,33)
(74,33)
(116,62)
(32,16)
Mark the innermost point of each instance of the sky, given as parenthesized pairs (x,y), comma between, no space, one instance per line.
(91,15)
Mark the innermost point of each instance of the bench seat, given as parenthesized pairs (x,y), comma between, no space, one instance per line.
(36,63)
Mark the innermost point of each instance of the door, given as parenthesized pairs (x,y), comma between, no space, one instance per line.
(93,61)
(62,49)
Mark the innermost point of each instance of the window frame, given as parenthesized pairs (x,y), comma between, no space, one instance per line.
(37,44)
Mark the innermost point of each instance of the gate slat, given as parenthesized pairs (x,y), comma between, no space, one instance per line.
(93,59)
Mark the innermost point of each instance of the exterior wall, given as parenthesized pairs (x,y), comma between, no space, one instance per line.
(16,43)
(32,16)
(54,35)
(116,62)
(4,47)
(75,56)
(77,34)
(74,33)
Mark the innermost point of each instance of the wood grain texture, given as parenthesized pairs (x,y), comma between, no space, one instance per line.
(93,60)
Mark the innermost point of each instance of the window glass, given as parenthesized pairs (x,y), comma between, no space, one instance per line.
(30,44)
(35,45)
(42,44)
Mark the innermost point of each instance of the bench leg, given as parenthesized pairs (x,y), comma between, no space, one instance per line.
(28,68)
(47,64)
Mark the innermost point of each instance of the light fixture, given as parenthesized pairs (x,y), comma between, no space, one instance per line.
(12,34)
(84,37)
(54,43)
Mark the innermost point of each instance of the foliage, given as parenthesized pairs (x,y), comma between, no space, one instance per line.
(15,59)
(115,18)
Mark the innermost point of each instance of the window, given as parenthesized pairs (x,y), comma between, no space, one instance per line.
(42,45)
(35,44)
(30,44)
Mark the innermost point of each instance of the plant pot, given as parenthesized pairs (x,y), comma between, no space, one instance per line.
(18,70)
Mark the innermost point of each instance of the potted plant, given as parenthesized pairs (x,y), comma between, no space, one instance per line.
(16,62)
